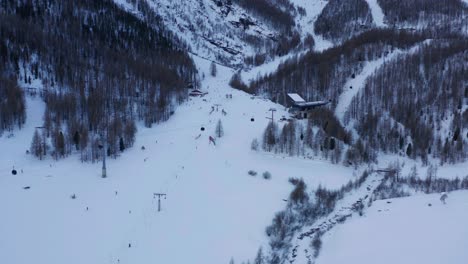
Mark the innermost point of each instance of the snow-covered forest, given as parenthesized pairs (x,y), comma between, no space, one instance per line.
(233,131)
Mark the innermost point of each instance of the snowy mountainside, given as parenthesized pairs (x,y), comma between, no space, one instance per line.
(214,210)
(313,9)
(440,17)
(217,30)
(226,199)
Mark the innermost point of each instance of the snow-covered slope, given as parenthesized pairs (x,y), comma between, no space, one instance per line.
(214,210)
(405,230)
(354,85)
(214,29)
(377,13)
(313,9)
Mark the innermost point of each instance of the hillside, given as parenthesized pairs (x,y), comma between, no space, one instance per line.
(89,62)
(210,195)
(189,100)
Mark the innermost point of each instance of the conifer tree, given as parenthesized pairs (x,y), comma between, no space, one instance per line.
(219,129)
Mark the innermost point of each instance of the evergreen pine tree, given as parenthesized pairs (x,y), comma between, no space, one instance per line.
(259,258)
(213,70)
(76,140)
(121,145)
(409,150)
(219,129)
(61,143)
(36,145)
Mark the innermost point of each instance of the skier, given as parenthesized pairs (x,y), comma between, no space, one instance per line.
(443,197)
(212,140)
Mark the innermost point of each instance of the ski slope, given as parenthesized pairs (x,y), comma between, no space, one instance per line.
(214,210)
(353,86)
(377,13)
(404,230)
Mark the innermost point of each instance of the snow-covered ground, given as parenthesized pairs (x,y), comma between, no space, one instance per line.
(377,13)
(404,230)
(214,210)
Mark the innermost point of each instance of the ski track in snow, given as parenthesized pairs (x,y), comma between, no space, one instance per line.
(353,86)
(377,13)
(360,79)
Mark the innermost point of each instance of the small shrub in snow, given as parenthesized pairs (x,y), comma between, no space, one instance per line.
(254,145)
(293,181)
(316,245)
(213,69)
(443,198)
(266,175)
(252,173)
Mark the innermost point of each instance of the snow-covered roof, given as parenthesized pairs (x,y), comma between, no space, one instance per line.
(296,98)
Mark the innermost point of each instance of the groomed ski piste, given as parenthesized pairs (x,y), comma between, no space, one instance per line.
(214,210)
(377,13)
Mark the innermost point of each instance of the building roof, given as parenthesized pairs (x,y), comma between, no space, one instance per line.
(312,104)
(196,92)
(296,98)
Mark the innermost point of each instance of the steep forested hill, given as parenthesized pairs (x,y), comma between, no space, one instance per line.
(99,69)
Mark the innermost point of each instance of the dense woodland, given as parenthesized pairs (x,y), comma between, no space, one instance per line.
(440,17)
(12,105)
(321,136)
(102,69)
(417,104)
(321,75)
(342,19)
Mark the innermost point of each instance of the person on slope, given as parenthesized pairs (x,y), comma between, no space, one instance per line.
(212,140)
